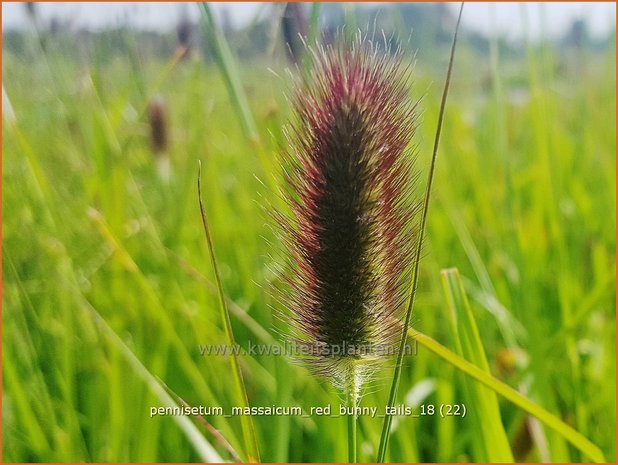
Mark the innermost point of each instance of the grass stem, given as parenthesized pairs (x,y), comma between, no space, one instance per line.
(248,431)
(388,419)
(352,400)
(231,76)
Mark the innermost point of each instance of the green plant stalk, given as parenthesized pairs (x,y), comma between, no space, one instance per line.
(282,426)
(549,206)
(227,65)
(248,430)
(388,419)
(352,400)
(567,432)
(351,432)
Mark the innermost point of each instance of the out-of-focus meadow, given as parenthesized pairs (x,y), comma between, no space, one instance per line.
(108,291)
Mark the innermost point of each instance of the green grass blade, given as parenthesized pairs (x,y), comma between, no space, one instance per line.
(225,60)
(556,424)
(493,444)
(248,430)
(37,437)
(388,419)
(205,450)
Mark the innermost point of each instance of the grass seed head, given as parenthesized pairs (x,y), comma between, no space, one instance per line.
(157,118)
(353,214)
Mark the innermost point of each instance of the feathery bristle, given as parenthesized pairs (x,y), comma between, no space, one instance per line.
(352,227)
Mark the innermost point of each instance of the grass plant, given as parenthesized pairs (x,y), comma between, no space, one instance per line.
(108,290)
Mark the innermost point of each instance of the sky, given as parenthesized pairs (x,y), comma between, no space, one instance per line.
(505,19)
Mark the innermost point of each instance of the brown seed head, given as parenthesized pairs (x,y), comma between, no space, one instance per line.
(157,117)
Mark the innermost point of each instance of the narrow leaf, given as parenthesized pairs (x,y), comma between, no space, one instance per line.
(483,403)
(250,441)
(577,439)
(225,60)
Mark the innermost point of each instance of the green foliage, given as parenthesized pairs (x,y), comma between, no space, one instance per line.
(524,207)
(491,440)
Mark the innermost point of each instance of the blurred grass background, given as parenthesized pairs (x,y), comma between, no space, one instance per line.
(523,206)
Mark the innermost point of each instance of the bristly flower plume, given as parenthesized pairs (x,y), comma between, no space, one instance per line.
(353,221)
